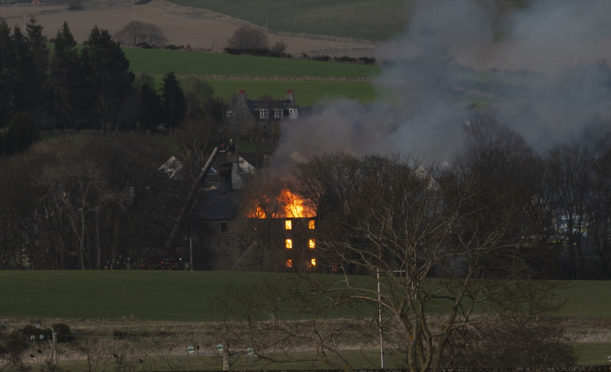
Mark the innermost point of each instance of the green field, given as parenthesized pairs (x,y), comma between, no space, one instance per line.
(186,296)
(306,92)
(312,81)
(587,354)
(363,19)
(159,62)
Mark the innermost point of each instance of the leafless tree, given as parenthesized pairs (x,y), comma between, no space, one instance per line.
(567,188)
(247,38)
(402,224)
(84,201)
(138,33)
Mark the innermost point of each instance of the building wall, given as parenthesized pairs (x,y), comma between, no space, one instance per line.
(261,244)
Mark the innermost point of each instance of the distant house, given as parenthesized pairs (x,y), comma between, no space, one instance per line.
(260,118)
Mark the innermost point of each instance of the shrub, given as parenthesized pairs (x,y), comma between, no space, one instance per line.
(75,5)
(247,38)
(136,33)
(119,335)
(63,333)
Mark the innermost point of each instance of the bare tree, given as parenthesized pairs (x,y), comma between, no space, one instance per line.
(247,38)
(402,224)
(567,187)
(138,34)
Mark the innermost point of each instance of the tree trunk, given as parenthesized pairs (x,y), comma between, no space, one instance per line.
(98,246)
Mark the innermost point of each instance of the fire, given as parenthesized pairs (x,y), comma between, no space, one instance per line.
(294,205)
(287,205)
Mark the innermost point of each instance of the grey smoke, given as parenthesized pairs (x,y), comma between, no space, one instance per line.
(556,87)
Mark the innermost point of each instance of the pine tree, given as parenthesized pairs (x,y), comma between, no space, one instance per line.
(7,74)
(67,81)
(149,113)
(110,79)
(26,81)
(173,103)
(39,74)
(20,134)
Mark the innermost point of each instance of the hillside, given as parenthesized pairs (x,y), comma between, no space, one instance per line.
(199,28)
(360,19)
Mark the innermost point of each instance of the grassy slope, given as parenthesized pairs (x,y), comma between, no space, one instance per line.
(311,80)
(363,19)
(183,296)
(307,92)
(155,61)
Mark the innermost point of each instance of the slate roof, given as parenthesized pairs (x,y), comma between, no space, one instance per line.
(211,205)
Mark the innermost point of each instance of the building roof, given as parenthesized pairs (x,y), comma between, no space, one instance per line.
(212,205)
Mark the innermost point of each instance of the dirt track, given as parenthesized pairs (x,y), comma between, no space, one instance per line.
(199,28)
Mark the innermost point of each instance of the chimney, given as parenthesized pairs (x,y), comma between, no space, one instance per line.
(242,96)
(225,183)
(290,95)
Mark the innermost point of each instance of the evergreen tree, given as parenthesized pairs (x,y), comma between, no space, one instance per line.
(24,66)
(110,79)
(67,81)
(39,54)
(173,103)
(19,135)
(149,113)
(7,74)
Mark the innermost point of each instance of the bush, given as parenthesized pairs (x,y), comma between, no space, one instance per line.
(119,335)
(63,333)
(345,59)
(75,5)
(137,33)
(247,38)
(11,348)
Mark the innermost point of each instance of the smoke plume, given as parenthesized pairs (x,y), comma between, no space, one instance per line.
(540,68)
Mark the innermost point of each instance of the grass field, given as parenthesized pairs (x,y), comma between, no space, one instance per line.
(150,303)
(159,61)
(587,354)
(593,353)
(363,19)
(311,80)
(307,92)
(186,296)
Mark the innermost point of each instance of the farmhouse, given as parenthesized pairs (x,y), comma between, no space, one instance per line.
(261,118)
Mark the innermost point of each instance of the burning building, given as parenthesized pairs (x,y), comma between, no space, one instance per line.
(238,229)
(286,224)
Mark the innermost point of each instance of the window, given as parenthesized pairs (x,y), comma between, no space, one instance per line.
(311,243)
(263,113)
(289,263)
(313,262)
(288,243)
(288,225)
(311,224)
(278,114)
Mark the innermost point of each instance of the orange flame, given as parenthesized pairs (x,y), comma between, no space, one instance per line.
(294,205)
(290,205)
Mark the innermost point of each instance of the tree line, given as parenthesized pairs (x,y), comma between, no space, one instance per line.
(59,85)
(559,201)
(448,255)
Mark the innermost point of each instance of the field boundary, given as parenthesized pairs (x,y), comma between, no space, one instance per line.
(276,77)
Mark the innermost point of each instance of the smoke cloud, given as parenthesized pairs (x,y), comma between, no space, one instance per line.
(540,68)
